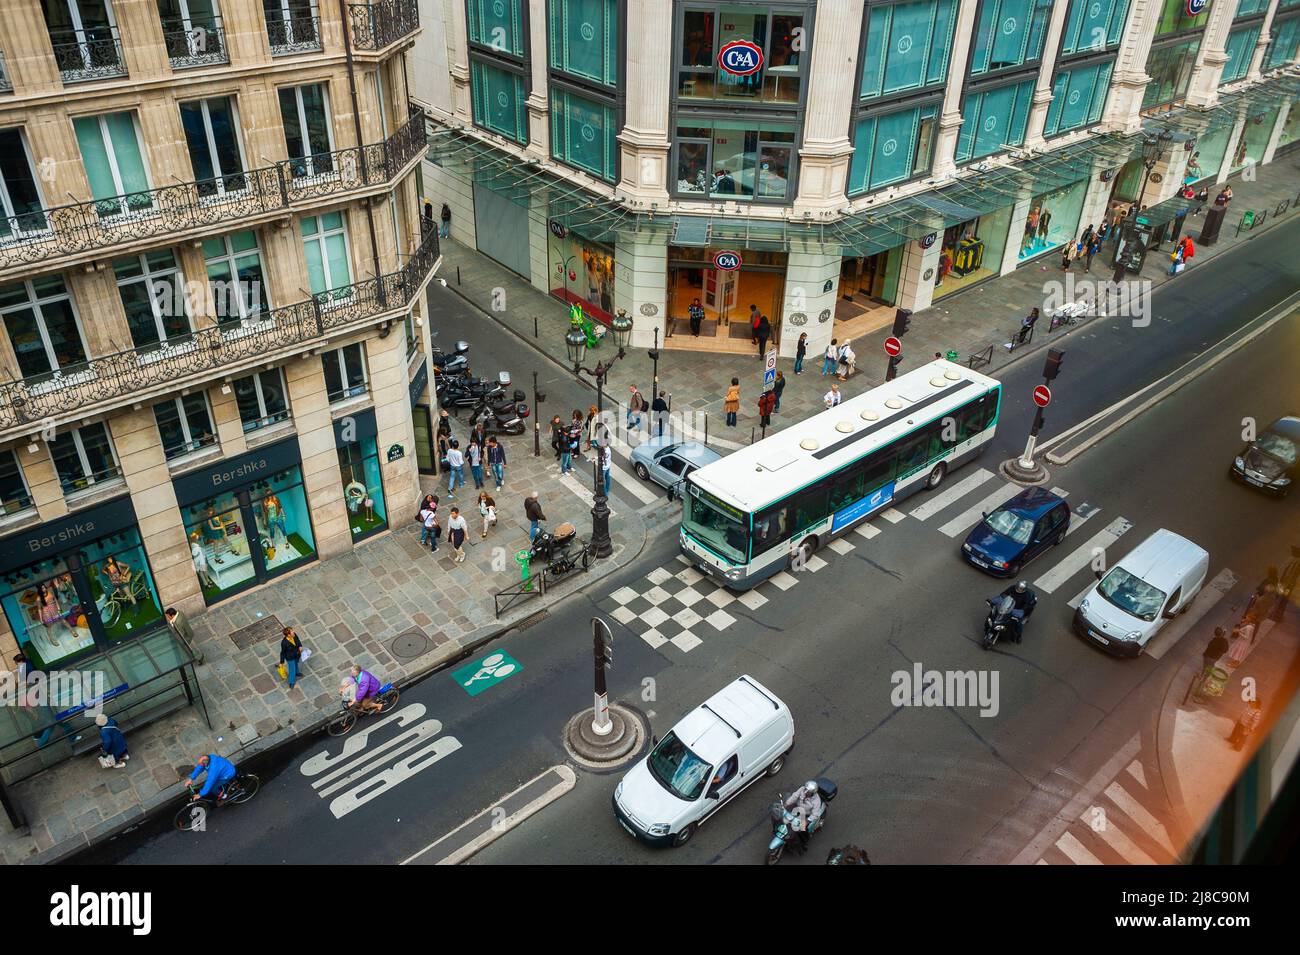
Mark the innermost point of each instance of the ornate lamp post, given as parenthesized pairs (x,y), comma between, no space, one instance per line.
(576,343)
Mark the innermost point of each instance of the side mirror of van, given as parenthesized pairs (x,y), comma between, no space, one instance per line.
(1097,574)
(654,741)
(712,794)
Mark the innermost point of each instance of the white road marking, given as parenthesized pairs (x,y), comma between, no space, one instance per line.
(583,491)
(937,502)
(1076,850)
(1082,555)
(1060,492)
(1139,813)
(840,546)
(1121,843)
(893,515)
(867,530)
(1177,628)
(1135,770)
(1076,521)
(1078,598)
(969,517)
(785,580)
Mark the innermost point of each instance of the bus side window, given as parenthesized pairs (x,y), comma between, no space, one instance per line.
(847,487)
(913,451)
(973,418)
(879,470)
(771,527)
(810,505)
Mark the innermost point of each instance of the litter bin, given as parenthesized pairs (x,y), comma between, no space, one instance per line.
(522,558)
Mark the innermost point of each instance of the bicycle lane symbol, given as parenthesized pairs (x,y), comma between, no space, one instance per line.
(358,774)
(484,674)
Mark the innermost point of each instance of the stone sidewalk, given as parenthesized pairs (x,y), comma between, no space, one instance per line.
(390,605)
(968,321)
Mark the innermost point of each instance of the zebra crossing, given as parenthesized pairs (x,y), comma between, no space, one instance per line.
(662,609)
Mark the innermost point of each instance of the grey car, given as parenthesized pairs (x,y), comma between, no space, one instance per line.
(667,462)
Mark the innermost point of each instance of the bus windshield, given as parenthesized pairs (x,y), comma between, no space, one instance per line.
(717,525)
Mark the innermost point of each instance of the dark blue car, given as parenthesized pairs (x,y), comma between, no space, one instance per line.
(1017,532)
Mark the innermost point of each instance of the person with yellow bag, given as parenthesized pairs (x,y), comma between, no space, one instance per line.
(292,653)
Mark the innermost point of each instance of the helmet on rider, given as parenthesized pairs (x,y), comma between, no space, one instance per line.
(810,787)
(1022,586)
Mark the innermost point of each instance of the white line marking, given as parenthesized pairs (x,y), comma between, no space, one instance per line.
(867,530)
(1078,598)
(1081,556)
(1060,492)
(1135,770)
(1076,850)
(582,490)
(1139,813)
(840,546)
(937,502)
(1121,843)
(893,515)
(1177,628)
(968,518)
(1076,521)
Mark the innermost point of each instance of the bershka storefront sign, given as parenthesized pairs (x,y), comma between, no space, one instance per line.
(56,536)
(237,472)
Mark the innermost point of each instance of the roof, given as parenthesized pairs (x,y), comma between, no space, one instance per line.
(713,728)
(1161,559)
(1288,426)
(763,472)
(1032,502)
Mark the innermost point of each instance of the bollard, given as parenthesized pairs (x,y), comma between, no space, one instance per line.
(458,275)
(523,557)
(706,427)
(534,326)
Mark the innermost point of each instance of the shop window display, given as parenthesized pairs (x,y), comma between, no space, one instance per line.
(582,273)
(282,521)
(772,29)
(1053,221)
(363,488)
(972,252)
(219,545)
(1253,140)
(1291,128)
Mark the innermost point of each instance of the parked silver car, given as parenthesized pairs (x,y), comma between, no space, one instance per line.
(667,462)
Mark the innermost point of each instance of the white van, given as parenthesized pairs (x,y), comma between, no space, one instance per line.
(734,738)
(1153,583)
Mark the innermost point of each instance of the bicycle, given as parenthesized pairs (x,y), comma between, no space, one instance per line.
(192,816)
(342,724)
(116,602)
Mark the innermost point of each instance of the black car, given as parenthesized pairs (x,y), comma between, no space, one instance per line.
(1017,532)
(1269,462)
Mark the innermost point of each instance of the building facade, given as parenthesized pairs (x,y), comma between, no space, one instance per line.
(854,156)
(212,264)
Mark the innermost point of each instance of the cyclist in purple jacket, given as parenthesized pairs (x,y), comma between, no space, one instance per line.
(367,688)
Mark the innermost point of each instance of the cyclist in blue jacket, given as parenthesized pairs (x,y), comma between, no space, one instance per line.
(220,772)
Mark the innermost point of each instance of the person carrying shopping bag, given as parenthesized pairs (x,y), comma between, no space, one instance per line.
(488,508)
(292,655)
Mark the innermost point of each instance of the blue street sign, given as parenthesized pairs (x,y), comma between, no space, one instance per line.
(769,376)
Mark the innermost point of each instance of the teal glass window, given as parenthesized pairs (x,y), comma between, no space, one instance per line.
(993,119)
(1287,4)
(1008,33)
(497,25)
(1246,8)
(1170,69)
(1174,18)
(734,160)
(584,39)
(498,101)
(1077,98)
(891,148)
(1094,25)
(907,46)
(584,134)
(113,156)
(1239,49)
(1286,37)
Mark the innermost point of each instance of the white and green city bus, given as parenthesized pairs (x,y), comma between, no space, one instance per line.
(749,515)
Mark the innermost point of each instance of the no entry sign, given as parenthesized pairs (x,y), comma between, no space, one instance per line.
(1042,396)
(893,347)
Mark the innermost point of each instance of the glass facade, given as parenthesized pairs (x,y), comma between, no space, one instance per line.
(363,488)
(1210,150)
(971,252)
(891,148)
(1053,220)
(1290,133)
(498,101)
(1246,8)
(779,31)
(1253,140)
(728,159)
(994,119)
(1078,97)
(583,39)
(498,25)
(1093,25)
(1008,33)
(15,496)
(1170,69)
(584,134)
(1174,18)
(1286,39)
(582,273)
(907,46)
(1239,49)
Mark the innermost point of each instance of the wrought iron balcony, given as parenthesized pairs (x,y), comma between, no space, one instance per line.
(6,84)
(46,398)
(195,42)
(289,35)
(169,211)
(85,55)
(376,25)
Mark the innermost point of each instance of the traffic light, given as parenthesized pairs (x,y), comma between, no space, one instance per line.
(1052,367)
(902,322)
(894,361)
(604,645)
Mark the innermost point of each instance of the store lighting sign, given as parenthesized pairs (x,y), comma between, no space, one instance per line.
(727,261)
(745,58)
(1196,7)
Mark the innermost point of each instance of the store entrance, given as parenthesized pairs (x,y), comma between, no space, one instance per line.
(725,299)
(868,293)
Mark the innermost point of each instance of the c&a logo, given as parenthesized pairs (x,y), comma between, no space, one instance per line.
(1196,7)
(740,58)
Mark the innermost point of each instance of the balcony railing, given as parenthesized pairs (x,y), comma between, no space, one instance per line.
(376,25)
(289,35)
(209,350)
(195,43)
(167,211)
(6,84)
(85,55)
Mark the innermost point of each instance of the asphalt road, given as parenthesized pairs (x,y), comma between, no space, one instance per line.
(921,785)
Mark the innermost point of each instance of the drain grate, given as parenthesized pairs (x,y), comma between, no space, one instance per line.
(259,631)
(409,645)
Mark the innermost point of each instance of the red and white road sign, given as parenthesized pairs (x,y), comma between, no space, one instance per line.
(1042,396)
(893,346)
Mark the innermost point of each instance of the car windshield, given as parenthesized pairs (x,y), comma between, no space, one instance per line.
(1277,446)
(719,526)
(677,769)
(1011,525)
(1131,594)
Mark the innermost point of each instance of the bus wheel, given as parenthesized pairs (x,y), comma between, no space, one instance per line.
(803,552)
(936,476)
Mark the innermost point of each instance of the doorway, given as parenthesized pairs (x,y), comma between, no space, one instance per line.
(725,297)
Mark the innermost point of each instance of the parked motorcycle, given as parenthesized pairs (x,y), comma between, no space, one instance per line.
(459,393)
(453,363)
(783,829)
(500,416)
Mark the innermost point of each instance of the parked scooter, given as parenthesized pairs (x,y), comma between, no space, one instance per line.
(453,363)
(784,831)
(467,392)
(500,415)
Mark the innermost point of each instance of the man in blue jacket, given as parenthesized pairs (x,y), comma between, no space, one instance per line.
(112,741)
(220,772)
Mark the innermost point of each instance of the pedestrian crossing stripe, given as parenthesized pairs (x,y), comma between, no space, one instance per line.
(968,518)
(1082,556)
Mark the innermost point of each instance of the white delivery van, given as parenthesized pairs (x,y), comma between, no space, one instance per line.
(1154,582)
(734,738)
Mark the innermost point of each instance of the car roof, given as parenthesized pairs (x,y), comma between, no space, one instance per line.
(1032,502)
(1162,559)
(696,453)
(713,728)
(1288,426)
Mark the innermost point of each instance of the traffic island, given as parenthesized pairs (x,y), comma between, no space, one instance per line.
(626,735)
(1015,470)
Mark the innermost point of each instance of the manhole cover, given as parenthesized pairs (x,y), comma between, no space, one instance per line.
(259,631)
(409,645)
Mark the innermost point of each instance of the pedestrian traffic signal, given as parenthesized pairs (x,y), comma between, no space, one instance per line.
(1052,367)
(902,321)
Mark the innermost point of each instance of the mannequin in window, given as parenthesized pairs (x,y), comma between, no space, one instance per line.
(275,517)
(214,534)
(357,498)
(200,560)
(50,613)
(119,577)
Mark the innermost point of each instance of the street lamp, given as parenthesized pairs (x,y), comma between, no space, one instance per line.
(1152,150)
(576,343)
